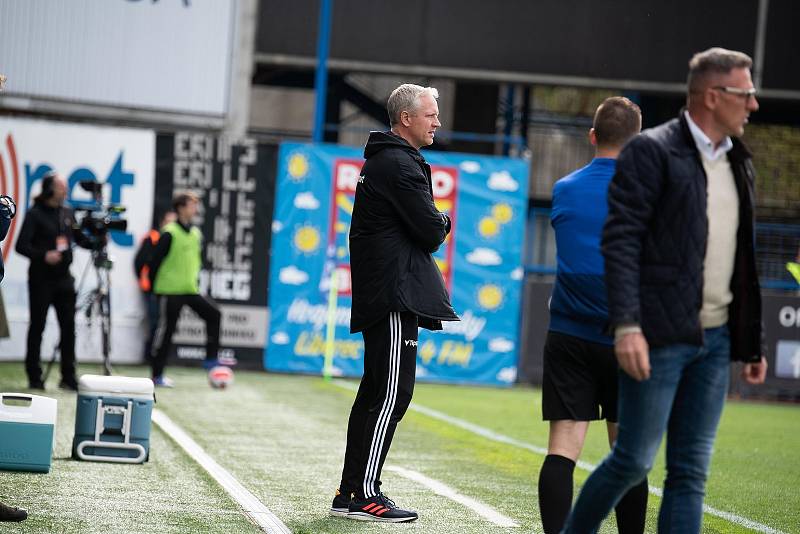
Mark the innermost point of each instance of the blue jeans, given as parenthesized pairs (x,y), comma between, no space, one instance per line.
(684,397)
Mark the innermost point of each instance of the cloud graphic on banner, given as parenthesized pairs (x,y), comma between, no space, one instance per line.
(470,166)
(484,256)
(502,181)
(517,273)
(280,338)
(306,201)
(293,276)
(507,375)
(277,226)
(501,344)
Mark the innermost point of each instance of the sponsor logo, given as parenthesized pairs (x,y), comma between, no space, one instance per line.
(789,317)
(9,184)
(410,342)
(116,178)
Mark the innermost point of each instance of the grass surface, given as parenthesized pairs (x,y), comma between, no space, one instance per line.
(283,438)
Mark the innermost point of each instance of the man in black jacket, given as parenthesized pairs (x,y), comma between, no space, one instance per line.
(396,288)
(46,239)
(683,291)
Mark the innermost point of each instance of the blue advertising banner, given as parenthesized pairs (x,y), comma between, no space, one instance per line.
(486,199)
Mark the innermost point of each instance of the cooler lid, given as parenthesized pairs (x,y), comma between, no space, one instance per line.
(27,408)
(116,386)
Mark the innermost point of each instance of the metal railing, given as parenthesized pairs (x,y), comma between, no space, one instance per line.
(776,245)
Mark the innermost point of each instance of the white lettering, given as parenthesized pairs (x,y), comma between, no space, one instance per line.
(470,326)
(302,312)
(347,177)
(442,183)
(789,317)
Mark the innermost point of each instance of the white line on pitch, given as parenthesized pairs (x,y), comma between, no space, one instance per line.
(586,466)
(255,509)
(483,510)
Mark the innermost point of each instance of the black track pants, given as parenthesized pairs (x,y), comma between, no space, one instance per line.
(390,361)
(169,311)
(59,293)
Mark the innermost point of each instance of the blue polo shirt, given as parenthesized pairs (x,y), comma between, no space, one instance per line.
(579,306)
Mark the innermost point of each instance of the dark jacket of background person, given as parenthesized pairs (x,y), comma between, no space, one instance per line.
(143,258)
(42,225)
(395,229)
(5,223)
(654,242)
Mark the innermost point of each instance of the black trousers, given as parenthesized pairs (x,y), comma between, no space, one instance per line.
(43,293)
(390,361)
(169,311)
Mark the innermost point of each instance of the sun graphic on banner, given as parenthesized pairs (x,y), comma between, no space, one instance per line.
(488,227)
(490,297)
(502,212)
(307,239)
(298,167)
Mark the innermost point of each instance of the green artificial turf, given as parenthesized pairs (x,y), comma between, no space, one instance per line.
(168,494)
(283,438)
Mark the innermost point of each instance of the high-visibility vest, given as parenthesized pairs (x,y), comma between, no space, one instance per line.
(178,272)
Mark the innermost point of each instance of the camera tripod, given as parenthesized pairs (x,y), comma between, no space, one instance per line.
(95,307)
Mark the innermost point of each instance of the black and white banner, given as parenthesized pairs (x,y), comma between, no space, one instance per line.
(236,184)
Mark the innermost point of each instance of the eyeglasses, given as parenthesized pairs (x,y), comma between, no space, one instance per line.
(746,94)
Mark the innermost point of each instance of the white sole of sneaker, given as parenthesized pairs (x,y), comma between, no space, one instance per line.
(363,516)
(339,512)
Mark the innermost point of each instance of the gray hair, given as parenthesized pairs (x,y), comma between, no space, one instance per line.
(712,62)
(406,98)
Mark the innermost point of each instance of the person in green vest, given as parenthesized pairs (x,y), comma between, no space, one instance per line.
(174,269)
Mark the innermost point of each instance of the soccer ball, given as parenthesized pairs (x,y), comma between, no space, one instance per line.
(220,377)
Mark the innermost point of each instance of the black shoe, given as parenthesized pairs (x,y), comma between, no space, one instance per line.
(341,504)
(11,513)
(379,508)
(71,385)
(36,384)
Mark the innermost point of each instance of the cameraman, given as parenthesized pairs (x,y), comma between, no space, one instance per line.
(46,239)
(174,269)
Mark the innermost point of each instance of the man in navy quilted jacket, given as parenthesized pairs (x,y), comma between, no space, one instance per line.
(683,292)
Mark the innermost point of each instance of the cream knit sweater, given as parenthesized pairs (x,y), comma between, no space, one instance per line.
(723,224)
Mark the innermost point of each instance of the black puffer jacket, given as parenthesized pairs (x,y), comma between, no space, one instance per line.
(654,242)
(395,229)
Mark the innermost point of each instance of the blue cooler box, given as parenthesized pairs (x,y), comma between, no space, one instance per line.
(27,431)
(112,421)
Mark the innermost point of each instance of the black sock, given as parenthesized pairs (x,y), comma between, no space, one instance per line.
(631,509)
(555,492)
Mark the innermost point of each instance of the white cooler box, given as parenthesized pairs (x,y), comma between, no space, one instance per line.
(27,431)
(112,420)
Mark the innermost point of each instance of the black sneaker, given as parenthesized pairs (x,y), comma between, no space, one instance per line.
(341,504)
(36,384)
(12,513)
(379,508)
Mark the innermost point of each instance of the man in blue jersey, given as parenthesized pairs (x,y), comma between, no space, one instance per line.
(580,369)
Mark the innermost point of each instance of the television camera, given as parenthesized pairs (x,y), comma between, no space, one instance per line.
(97,220)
